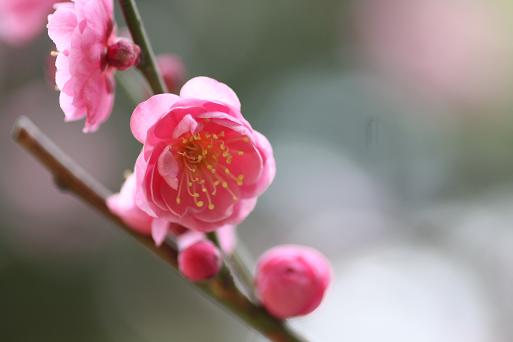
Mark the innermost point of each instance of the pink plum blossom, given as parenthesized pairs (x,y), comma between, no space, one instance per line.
(291,280)
(446,50)
(123,204)
(83,33)
(199,261)
(22,20)
(202,165)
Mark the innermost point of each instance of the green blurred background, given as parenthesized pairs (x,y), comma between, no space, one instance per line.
(393,133)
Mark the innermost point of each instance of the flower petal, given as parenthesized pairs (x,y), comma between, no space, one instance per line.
(159,228)
(187,124)
(209,89)
(148,112)
(168,167)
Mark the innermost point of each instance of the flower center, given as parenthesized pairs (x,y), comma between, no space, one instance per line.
(206,158)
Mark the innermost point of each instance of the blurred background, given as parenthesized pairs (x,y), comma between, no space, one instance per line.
(392,124)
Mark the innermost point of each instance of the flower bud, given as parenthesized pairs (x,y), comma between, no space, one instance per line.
(291,280)
(173,71)
(123,54)
(199,261)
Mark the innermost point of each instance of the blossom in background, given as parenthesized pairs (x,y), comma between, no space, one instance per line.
(23,20)
(453,51)
(172,70)
(88,54)
(123,204)
(202,165)
(291,280)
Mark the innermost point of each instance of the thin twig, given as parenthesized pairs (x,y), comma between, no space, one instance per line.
(71,177)
(147,64)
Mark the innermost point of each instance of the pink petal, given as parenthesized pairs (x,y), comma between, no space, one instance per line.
(159,229)
(148,112)
(123,205)
(206,88)
(269,170)
(186,125)
(168,167)
(140,194)
(189,238)
(227,238)
(61,25)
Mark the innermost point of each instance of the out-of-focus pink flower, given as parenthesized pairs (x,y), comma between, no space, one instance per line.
(446,50)
(123,205)
(83,33)
(291,280)
(200,261)
(22,20)
(202,165)
(173,71)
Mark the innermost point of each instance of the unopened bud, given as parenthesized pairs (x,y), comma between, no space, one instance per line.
(291,280)
(200,261)
(123,54)
(173,71)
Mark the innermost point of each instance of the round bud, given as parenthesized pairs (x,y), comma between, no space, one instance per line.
(291,280)
(199,261)
(123,54)
(173,71)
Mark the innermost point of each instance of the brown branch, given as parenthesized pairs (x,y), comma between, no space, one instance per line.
(71,177)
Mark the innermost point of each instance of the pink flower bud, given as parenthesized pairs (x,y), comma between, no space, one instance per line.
(123,54)
(173,71)
(291,280)
(199,261)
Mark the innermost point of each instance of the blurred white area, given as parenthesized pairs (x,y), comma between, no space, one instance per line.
(328,202)
(401,293)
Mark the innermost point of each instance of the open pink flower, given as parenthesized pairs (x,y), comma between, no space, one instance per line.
(202,164)
(291,280)
(22,20)
(123,205)
(83,32)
